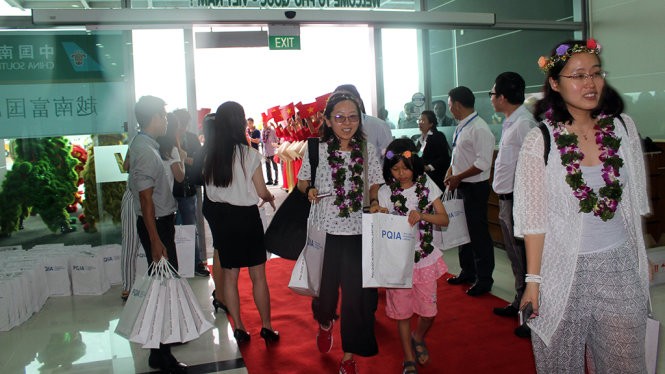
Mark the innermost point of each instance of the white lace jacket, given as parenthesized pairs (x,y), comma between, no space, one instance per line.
(544,203)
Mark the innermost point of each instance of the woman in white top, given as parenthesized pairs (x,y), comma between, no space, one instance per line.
(348,164)
(171,153)
(233,184)
(579,209)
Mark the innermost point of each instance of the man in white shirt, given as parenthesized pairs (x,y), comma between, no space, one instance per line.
(469,172)
(507,97)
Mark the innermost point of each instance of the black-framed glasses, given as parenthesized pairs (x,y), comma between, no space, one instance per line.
(582,77)
(490,94)
(340,119)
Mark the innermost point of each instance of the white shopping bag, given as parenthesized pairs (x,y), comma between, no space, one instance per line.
(111,254)
(171,325)
(653,328)
(306,274)
(146,317)
(457,233)
(155,329)
(185,237)
(134,305)
(5,305)
(88,273)
(141,261)
(186,320)
(56,268)
(201,323)
(388,251)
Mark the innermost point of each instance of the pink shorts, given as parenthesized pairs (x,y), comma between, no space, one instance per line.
(402,303)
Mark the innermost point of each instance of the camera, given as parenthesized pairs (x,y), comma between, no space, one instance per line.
(290,14)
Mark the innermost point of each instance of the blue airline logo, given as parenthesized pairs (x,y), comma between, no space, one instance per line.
(80,60)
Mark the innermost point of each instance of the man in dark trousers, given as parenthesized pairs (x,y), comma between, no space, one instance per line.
(185,191)
(154,203)
(469,172)
(507,97)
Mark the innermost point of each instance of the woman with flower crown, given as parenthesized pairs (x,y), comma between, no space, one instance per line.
(349,170)
(410,192)
(579,208)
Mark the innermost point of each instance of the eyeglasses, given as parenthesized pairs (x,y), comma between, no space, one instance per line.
(491,94)
(582,77)
(340,119)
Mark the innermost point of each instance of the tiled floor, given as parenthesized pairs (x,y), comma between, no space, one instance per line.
(75,334)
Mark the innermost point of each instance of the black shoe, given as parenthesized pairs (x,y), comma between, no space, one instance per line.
(507,311)
(201,271)
(478,289)
(217,304)
(268,183)
(276,183)
(241,336)
(270,336)
(457,280)
(165,362)
(523,331)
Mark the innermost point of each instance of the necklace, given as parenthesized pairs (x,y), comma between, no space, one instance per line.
(604,203)
(353,200)
(424,228)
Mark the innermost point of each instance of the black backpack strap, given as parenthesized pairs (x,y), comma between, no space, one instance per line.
(546,139)
(313,153)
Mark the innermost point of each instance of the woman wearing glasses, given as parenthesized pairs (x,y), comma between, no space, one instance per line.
(349,169)
(579,209)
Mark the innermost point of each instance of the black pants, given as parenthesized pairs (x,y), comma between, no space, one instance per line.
(166,232)
(270,161)
(477,257)
(342,267)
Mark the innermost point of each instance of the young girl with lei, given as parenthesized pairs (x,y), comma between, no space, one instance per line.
(579,209)
(409,192)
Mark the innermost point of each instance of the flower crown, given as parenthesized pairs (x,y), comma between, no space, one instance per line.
(564,51)
(390,154)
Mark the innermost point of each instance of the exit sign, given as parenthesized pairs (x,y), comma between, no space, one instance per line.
(284,42)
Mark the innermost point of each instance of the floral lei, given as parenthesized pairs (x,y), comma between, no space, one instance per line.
(424,227)
(605,203)
(353,200)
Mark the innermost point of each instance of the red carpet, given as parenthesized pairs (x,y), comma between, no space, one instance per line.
(466,337)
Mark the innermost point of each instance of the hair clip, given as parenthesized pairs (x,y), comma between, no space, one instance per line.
(390,154)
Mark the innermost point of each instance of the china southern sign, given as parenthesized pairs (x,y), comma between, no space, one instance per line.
(61,84)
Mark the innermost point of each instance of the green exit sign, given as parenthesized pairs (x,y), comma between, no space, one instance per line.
(284,42)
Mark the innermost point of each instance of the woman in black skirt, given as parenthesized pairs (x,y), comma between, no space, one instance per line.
(233,184)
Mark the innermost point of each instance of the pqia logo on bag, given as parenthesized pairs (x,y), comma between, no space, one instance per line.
(396,235)
(454,214)
(138,293)
(314,244)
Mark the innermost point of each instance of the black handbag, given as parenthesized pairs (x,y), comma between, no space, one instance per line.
(287,231)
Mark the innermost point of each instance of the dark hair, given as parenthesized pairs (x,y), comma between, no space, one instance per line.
(226,136)
(333,100)
(414,163)
(207,123)
(511,86)
(610,101)
(250,119)
(183,117)
(167,141)
(462,95)
(349,88)
(146,108)
(431,117)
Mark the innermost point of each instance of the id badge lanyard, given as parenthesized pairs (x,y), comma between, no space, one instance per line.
(459,130)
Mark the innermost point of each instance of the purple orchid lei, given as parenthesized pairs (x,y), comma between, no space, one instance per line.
(604,203)
(424,227)
(353,200)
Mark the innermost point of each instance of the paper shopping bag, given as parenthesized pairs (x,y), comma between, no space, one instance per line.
(201,323)
(306,274)
(388,249)
(171,324)
(133,306)
(457,233)
(185,236)
(155,329)
(653,329)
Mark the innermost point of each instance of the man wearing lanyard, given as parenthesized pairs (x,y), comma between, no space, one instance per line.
(507,97)
(469,172)
(154,203)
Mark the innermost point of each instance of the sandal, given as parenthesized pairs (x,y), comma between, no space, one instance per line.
(422,355)
(409,367)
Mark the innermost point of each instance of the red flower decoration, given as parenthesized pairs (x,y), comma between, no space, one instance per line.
(591,44)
